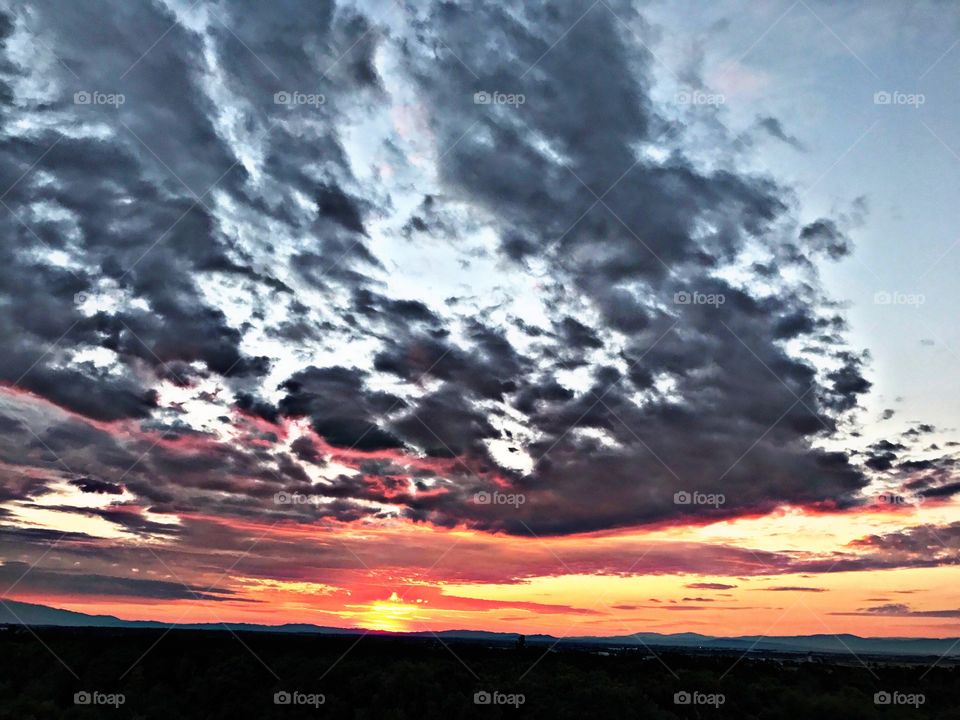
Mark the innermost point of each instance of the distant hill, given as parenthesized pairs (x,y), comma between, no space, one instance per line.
(13,612)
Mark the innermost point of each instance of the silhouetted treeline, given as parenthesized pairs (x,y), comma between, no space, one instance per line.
(215,675)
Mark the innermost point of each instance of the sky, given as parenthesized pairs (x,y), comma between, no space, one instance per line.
(581,318)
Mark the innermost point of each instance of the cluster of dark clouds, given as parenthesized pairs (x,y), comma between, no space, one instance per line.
(903,610)
(730,398)
(195,565)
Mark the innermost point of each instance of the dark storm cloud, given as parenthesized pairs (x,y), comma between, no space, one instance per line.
(444,424)
(774,128)
(296,45)
(139,203)
(136,204)
(919,541)
(6,92)
(684,381)
(341,408)
(399,314)
(624,259)
(902,610)
(919,429)
(881,461)
(847,383)
(49,582)
(84,390)
(323,50)
(488,367)
(137,215)
(824,236)
(942,491)
(793,325)
(92,485)
(578,335)
(335,204)
(167,472)
(919,478)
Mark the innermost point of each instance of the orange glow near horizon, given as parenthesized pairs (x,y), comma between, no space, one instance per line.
(400,576)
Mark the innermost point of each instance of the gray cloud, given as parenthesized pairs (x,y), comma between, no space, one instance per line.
(648,374)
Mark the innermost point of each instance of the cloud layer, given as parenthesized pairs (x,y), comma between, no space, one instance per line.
(317,264)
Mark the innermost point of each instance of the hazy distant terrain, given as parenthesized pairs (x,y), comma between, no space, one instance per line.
(13,612)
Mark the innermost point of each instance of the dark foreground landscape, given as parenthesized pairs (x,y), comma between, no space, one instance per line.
(152,673)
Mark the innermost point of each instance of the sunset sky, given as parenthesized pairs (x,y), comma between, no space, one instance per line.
(571,318)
